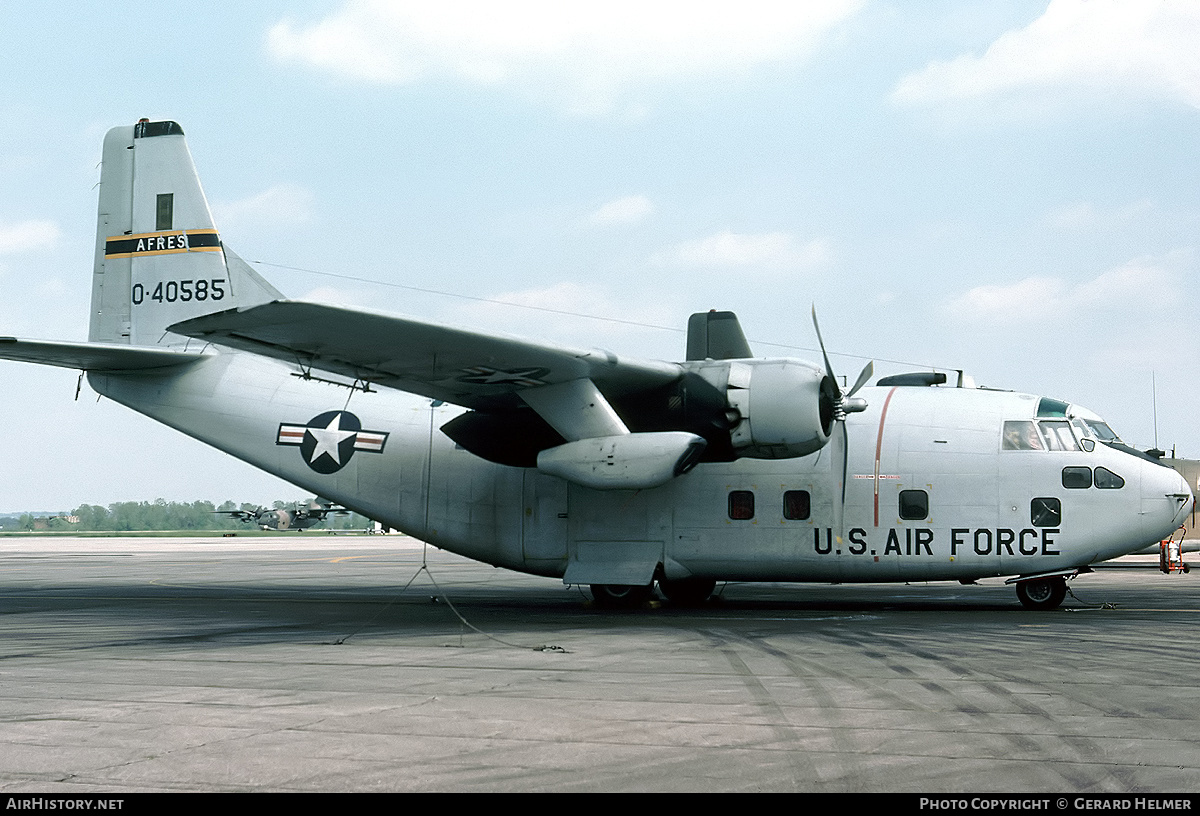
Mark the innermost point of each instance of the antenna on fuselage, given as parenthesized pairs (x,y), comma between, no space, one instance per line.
(1154,407)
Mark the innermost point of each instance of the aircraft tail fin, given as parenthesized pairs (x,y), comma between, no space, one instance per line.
(159,257)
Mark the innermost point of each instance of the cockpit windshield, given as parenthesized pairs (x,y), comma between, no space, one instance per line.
(1058,426)
(1058,435)
(1101,431)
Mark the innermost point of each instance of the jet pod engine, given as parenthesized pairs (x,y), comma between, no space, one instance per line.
(786,408)
(632,461)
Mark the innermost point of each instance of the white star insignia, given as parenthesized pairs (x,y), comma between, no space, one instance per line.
(328,440)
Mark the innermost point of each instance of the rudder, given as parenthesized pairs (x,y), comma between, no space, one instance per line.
(159,257)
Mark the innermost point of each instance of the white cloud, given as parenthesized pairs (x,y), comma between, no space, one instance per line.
(1141,284)
(281,204)
(1083,215)
(584,54)
(1026,299)
(1112,46)
(28,236)
(1145,285)
(771,251)
(625,210)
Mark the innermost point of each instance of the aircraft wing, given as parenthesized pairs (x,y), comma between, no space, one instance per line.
(240,515)
(92,356)
(460,366)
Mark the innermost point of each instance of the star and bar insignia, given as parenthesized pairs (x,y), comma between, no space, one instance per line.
(329,440)
(486,375)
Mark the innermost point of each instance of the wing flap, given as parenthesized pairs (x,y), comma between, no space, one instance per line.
(92,356)
(460,366)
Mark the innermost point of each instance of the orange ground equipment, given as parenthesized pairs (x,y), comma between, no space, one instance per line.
(1170,557)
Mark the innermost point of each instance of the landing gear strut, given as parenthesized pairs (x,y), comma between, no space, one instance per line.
(1042,593)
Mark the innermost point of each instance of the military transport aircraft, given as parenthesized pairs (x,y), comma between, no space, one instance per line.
(576,463)
(299,516)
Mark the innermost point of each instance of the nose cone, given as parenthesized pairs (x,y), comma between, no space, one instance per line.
(1166,499)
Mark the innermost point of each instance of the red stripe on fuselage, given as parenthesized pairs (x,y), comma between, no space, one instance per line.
(879,448)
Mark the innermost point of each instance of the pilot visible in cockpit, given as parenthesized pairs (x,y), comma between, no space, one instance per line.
(1022,436)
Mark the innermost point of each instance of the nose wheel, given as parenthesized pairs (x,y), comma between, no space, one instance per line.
(1042,593)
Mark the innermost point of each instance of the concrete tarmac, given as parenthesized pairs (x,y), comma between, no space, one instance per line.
(303,663)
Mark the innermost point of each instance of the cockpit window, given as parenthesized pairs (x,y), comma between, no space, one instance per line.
(1102,431)
(1052,408)
(1059,436)
(1107,480)
(1087,439)
(1021,435)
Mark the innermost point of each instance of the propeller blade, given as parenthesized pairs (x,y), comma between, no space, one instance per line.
(865,375)
(828,367)
(840,445)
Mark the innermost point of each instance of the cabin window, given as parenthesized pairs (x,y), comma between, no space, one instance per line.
(1077,478)
(797,504)
(1107,480)
(914,504)
(1021,436)
(164,212)
(1045,512)
(741,505)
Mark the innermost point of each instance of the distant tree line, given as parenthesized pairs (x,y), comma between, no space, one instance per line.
(161,515)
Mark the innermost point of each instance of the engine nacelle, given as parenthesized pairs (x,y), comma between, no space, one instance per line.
(786,408)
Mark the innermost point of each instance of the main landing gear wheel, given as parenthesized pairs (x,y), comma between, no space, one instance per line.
(1042,593)
(687,591)
(621,596)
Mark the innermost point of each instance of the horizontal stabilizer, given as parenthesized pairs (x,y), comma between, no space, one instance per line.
(92,356)
(460,366)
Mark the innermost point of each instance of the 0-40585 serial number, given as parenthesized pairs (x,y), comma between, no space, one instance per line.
(179,291)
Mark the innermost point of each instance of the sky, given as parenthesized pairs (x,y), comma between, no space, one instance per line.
(1011,189)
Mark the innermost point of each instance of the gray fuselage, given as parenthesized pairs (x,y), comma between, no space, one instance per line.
(932,493)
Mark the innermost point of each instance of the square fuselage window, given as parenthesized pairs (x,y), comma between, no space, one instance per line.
(1045,511)
(797,505)
(741,505)
(914,504)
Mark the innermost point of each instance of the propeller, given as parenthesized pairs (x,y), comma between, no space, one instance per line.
(843,403)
